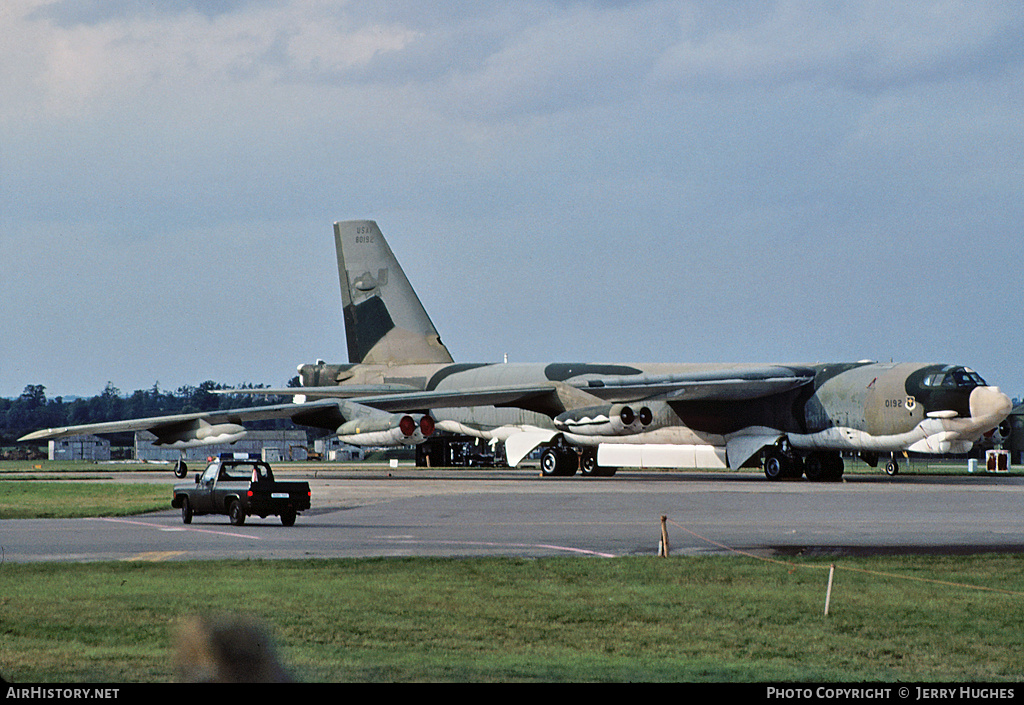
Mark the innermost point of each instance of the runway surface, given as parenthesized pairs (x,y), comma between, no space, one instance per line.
(501,512)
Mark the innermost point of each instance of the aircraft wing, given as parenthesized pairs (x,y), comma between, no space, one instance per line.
(727,384)
(330,411)
(395,399)
(202,427)
(514,395)
(146,424)
(227,426)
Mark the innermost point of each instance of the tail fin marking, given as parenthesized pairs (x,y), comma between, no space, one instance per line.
(385,322)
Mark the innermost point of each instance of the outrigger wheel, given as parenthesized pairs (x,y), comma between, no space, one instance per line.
(180,468)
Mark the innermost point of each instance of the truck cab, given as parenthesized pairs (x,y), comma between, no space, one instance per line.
(240,485)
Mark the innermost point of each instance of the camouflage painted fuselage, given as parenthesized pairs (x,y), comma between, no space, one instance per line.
(863,407)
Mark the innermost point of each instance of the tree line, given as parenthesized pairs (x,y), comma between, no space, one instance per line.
(33,410)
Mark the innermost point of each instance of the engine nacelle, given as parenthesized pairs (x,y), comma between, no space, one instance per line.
(607,420)
(387,430)
(999,434)
(197,433)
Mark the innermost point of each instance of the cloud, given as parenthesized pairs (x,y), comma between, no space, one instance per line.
(857,46)
(73,13)
(646,180)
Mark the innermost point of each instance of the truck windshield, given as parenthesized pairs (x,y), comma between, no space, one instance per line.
(252,472)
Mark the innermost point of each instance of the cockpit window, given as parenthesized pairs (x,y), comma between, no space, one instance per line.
(968,378)
(954,378)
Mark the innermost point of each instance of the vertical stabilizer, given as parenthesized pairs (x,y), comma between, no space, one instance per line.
(385,323)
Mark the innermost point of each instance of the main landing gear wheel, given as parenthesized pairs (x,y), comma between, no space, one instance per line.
(558,462)
(824,467)
(590,468)
(775,466)
(892,468)
(780,466)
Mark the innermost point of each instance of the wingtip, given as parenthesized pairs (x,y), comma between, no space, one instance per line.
(37,435)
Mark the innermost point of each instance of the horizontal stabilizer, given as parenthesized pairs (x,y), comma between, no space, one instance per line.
(338,391)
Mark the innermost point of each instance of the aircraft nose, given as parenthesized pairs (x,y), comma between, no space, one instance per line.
(990,403)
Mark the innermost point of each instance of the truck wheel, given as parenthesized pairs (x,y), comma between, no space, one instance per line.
(236,514)
(288,518)
(186,511)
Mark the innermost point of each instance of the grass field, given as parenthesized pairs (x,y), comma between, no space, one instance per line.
(679,619)
(47,499)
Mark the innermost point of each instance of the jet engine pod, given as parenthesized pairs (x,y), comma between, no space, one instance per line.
(387,430)
(407,425)
(606,420)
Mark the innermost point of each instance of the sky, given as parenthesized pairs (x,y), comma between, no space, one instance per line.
(562,181)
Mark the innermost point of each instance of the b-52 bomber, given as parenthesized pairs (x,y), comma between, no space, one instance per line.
(401,385)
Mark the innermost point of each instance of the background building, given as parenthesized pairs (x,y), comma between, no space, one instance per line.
(79,448)
(330,448)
